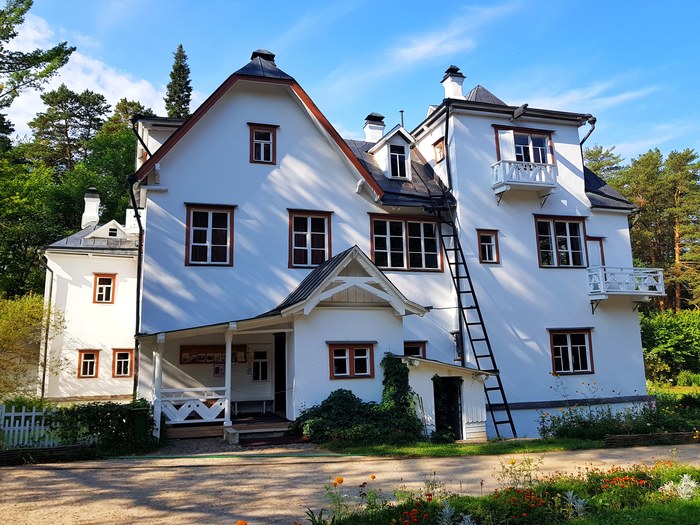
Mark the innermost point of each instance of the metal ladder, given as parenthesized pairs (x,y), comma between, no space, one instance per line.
(471,318)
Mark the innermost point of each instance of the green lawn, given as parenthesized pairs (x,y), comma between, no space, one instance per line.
(443,450)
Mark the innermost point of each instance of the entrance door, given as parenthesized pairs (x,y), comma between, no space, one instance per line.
(447,393)
(281,374)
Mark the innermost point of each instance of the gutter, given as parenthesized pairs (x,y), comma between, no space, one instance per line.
(132,179)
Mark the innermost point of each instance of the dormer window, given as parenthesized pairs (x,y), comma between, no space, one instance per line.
(397,161)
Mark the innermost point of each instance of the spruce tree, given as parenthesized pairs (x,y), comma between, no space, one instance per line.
(177,99)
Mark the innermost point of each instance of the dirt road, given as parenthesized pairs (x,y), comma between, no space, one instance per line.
(259,486)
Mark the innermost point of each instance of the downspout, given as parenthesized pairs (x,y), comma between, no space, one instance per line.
(591,120)
(134,120)
(448,107)
(45,359)
(132,179)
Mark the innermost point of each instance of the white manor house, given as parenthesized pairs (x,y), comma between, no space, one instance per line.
(271,261)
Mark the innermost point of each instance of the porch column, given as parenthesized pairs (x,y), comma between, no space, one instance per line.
(158,381)
(227,378)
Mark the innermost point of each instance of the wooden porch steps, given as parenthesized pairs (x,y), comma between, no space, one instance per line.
(239,433)
(188,431)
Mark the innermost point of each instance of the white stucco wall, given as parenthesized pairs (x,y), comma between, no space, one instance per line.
(90,326)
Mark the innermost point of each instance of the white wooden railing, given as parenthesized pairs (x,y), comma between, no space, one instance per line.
(523,175)
(610,280)
(26,428)
(193,405)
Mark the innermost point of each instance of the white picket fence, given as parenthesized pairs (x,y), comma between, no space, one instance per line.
(26,428)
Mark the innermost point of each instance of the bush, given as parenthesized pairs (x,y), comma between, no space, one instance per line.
(671,339)
(688,378)
(344,418)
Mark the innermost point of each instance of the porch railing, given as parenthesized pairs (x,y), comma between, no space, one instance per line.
(523,175)
(609,280)
(193,405)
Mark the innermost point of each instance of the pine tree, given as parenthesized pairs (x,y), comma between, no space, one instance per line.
(177,99)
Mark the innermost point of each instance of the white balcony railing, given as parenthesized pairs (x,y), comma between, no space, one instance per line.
(610,280)
(523,176)
(193,405)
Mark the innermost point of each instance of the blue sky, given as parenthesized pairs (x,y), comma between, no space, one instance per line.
(634,65)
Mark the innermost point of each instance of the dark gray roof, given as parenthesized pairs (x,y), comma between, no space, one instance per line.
(602,195)
(413,193)
(483,95)
(310,283)
(262,64)
(78,242)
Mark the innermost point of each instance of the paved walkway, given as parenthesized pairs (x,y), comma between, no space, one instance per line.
(202,481)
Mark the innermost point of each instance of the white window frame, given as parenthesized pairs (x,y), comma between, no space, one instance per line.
(263,149)
(104,288)
(193,231)
(530,153)
(89,365)
(568,355)
(398,162)
(118,360)
(387,244)
(351,355)
(488,251)
(559,256)
(261,366)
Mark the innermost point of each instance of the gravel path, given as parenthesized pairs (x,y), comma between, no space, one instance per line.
(205,481)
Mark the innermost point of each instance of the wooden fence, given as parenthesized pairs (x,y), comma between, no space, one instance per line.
(22,428)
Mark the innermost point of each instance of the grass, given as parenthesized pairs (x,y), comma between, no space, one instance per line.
(677,512)
(678,390)
(446,450)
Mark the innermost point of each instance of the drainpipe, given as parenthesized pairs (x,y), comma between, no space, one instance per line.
(461,339)
(45,359)
(132,179)
(591,120)
(134,120)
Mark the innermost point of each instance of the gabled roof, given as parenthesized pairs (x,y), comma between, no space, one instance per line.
(601,195)
(415,192)
(396,130)
(317,286)
(261,68)
(483,95)
(83,241)
(103,231)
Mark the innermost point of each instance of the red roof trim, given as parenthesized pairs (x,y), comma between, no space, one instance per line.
(147,166)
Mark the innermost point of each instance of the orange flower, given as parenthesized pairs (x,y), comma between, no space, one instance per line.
(373,477)
(241,522)
(338,481)
(429,497)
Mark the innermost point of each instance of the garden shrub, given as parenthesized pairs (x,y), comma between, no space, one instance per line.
(344,418)
(688,378)
(671,339)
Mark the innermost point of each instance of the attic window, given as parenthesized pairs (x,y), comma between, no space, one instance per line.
(112,232)
(397,161)
(439,149)
(263,143)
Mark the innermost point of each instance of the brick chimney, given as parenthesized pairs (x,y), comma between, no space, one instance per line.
(452,82)
(374,127)
(91,215)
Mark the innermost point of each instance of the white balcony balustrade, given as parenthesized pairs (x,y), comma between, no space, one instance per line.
(528,176)
(193,405)
(611,280)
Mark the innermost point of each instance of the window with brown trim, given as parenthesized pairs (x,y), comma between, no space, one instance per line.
(405,244)
(560,242)
(439,150)
(488,246)
(122,362)
(526,145)
(88,363)
(104,288)
(414,348)
(571,351)
(263,143)
(209,236)
(351,361)
(309,238)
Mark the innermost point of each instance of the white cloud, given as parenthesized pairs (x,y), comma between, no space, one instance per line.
(594,98)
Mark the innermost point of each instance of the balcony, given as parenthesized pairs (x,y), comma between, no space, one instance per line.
(643,283)
(527,176)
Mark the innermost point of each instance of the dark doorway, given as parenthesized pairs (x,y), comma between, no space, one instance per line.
(281,374)
(448,406)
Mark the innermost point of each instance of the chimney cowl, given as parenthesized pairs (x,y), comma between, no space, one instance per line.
(264,54)
(452,82)
(374,117)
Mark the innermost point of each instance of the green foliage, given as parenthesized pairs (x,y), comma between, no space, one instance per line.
(21,322)
(604,162)
(687,378)
(111,428)
(672,339)
(344,418)
(179,89)
(19,70)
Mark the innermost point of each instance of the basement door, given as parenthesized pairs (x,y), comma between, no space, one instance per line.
(447,392)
